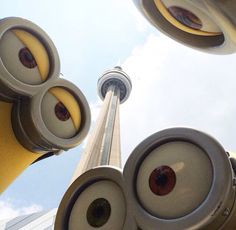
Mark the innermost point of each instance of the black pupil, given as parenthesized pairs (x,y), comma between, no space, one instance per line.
(61,112)
(26,58)
(185,17)
(162,179)
(98,212)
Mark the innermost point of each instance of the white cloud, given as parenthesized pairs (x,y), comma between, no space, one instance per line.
(176,86)
(8,209)
(141,23)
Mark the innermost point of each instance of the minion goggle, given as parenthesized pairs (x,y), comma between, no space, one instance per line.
(206,25)
(49,113)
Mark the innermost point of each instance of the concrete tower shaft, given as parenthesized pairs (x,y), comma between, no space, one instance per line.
(103,147)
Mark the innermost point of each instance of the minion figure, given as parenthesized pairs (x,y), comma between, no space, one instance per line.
(41,114)
(206,25)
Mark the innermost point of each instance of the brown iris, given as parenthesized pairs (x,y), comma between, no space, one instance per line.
(185,17)
(98,212)
(26,58)
(162,180)
(61,112)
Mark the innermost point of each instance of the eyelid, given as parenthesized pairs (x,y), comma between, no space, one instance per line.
(37,49)
(161,7)
(70,103)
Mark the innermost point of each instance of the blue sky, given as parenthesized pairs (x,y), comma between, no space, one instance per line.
(90,38)
(172,85)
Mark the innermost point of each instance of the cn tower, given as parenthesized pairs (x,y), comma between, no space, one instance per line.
(95,197)
(103,146)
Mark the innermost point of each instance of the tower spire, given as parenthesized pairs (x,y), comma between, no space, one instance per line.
(103,146)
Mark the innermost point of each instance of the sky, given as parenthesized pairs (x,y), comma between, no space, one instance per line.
(173,85)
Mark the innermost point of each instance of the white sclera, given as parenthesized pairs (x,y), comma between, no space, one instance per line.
(62,129)
(194,175)
(101,189)
(10,46)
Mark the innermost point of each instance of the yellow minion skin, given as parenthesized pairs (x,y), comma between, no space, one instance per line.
(40,113)
(14,157)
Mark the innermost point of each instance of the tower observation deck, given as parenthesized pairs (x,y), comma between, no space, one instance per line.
(103,146)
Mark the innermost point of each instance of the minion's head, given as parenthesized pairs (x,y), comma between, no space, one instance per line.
(181,178)
(46,113)
(205,25)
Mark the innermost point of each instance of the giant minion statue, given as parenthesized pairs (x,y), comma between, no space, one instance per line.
(207,25)
(41,114)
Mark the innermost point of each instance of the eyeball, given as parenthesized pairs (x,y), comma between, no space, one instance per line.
(99,206)
(57,118)
(176,174)
(95,200)
(24,56)
(61,112)
(186,17)
(28,59)
(178,179)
